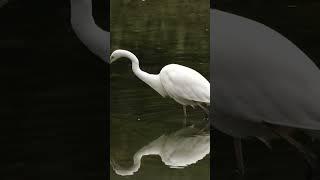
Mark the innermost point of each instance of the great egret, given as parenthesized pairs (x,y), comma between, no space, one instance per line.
(84,26)
(185,85)
(177,150)
(263,83)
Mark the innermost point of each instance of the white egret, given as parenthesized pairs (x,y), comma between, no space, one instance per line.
(177,150)
(264,84)
(84,26)
(185,85)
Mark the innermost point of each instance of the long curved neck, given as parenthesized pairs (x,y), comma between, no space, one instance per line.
(81,10)
(83,24)
(153,80)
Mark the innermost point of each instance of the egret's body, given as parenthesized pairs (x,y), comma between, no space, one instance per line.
(185,85)
(177,150)
(261,79)
(84,26)
(261,76)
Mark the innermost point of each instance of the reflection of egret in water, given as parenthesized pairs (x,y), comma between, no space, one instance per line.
(177,150)
(185,85)
(264,85)
(83,24)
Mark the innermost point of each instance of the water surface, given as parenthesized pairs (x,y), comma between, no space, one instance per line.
(158,33)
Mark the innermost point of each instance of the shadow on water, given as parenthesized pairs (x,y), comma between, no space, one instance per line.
(158,33)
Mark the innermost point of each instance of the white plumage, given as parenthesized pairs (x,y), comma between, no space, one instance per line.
(185,85)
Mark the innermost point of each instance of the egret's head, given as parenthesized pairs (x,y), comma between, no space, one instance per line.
(117,54)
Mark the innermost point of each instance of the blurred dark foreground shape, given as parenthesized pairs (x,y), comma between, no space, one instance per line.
(264,86)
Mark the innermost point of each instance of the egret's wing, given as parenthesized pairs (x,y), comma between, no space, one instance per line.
(261,76)
(181,82)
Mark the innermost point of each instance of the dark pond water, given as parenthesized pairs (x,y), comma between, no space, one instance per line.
(158,33)
(298,21)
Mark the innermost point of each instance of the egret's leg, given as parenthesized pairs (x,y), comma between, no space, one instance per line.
(295,143)
(265,142)
(238,152)
(185,116)
(310,157)
(206,116)
(204,108)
